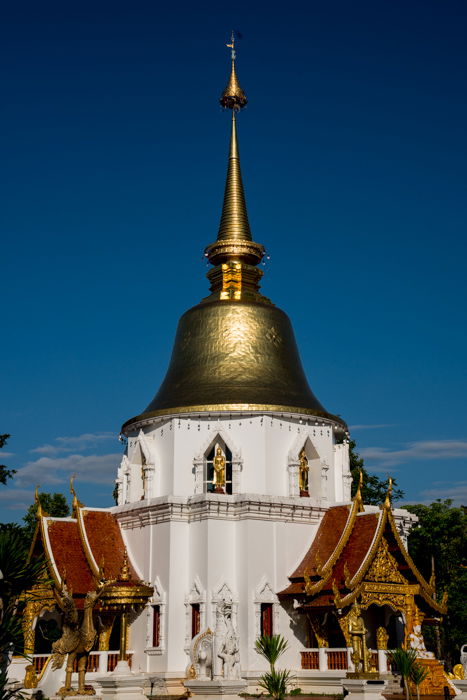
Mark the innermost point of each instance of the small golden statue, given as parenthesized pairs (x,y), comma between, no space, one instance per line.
(219,471)
(357,632)
(382,638)
(303,473)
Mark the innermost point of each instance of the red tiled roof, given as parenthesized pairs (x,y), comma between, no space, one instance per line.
(106,543)
(68,555)
(327,538)
(357,547)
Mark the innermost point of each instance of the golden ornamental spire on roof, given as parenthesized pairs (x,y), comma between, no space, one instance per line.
(234,254)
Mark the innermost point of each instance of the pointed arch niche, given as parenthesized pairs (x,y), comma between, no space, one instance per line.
(156,619)
(204,470)
(315,477)
(143,467)
(266,605)
(195,605)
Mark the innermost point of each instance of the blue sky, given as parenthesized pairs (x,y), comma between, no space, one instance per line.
(113,150)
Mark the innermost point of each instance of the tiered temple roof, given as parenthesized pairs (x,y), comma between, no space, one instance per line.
(359,553)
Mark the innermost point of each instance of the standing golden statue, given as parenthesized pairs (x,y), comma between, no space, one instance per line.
(357,632)
(303,471)
(219,471)
(77,640)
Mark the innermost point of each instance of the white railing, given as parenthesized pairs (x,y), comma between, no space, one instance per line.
(324,659)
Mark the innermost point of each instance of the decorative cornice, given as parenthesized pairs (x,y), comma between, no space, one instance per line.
(234,410)
(221,507)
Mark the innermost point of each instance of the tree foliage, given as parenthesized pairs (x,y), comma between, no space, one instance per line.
(18,575)
(439,539)
(374,489)
(5,473)
(55,504)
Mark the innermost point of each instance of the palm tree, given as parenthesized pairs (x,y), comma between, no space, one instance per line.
(418,675)
(271,648)
(404,660)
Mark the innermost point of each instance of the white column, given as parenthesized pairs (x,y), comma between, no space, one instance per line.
(323,659)
(382,661)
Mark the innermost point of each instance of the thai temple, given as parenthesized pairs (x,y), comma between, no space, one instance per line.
(234,515)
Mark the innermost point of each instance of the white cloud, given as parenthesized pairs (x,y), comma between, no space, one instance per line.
(6,454)
(96,469)
(424,449)
(455,490)
(74,442)
(16,499)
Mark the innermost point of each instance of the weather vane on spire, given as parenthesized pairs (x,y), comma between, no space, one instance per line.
(233,96)
(232,45)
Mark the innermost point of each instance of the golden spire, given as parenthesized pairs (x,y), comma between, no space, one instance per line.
(234,246)
(234,219)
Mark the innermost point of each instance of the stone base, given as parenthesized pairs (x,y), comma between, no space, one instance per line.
(461,686)
(122,684)
(227,690)
(364,688)
(75,697)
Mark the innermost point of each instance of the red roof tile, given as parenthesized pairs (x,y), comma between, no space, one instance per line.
(327,538)
(106,543)
(67,552)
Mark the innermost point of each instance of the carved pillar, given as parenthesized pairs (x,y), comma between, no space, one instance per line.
(294,489)
(236,472)
(148,480)
(324,479)
(199,475)
(104,635)
(27,623)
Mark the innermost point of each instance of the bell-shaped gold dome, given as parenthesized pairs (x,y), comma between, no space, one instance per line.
(235,351)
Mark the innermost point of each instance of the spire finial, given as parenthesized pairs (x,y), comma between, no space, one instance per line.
(233,96)
(358,498)
(387,500)
(76,504)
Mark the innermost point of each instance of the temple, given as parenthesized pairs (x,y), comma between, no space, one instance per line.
(234,515)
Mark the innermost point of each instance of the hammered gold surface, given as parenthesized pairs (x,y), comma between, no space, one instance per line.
(235,353)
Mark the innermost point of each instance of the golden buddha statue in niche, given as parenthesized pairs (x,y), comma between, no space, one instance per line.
(219,471)
(357,633)
(303,471)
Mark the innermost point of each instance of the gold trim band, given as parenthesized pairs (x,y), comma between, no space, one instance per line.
(234,408)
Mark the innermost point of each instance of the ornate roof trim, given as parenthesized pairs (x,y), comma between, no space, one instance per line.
(85,543)
(49,555)
(325,571)
(370,555)
(426,590)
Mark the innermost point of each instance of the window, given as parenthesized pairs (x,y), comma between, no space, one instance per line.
(266,619)
(209,485)
(156,625)
(195,619)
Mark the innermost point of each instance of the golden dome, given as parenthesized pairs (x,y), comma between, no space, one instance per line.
(234,356)
(235,351)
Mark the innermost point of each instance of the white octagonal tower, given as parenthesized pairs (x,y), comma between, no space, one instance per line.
(229,470)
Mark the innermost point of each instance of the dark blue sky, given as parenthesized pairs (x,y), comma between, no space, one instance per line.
(113,151)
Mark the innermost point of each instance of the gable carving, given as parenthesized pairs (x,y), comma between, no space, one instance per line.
(384,566)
